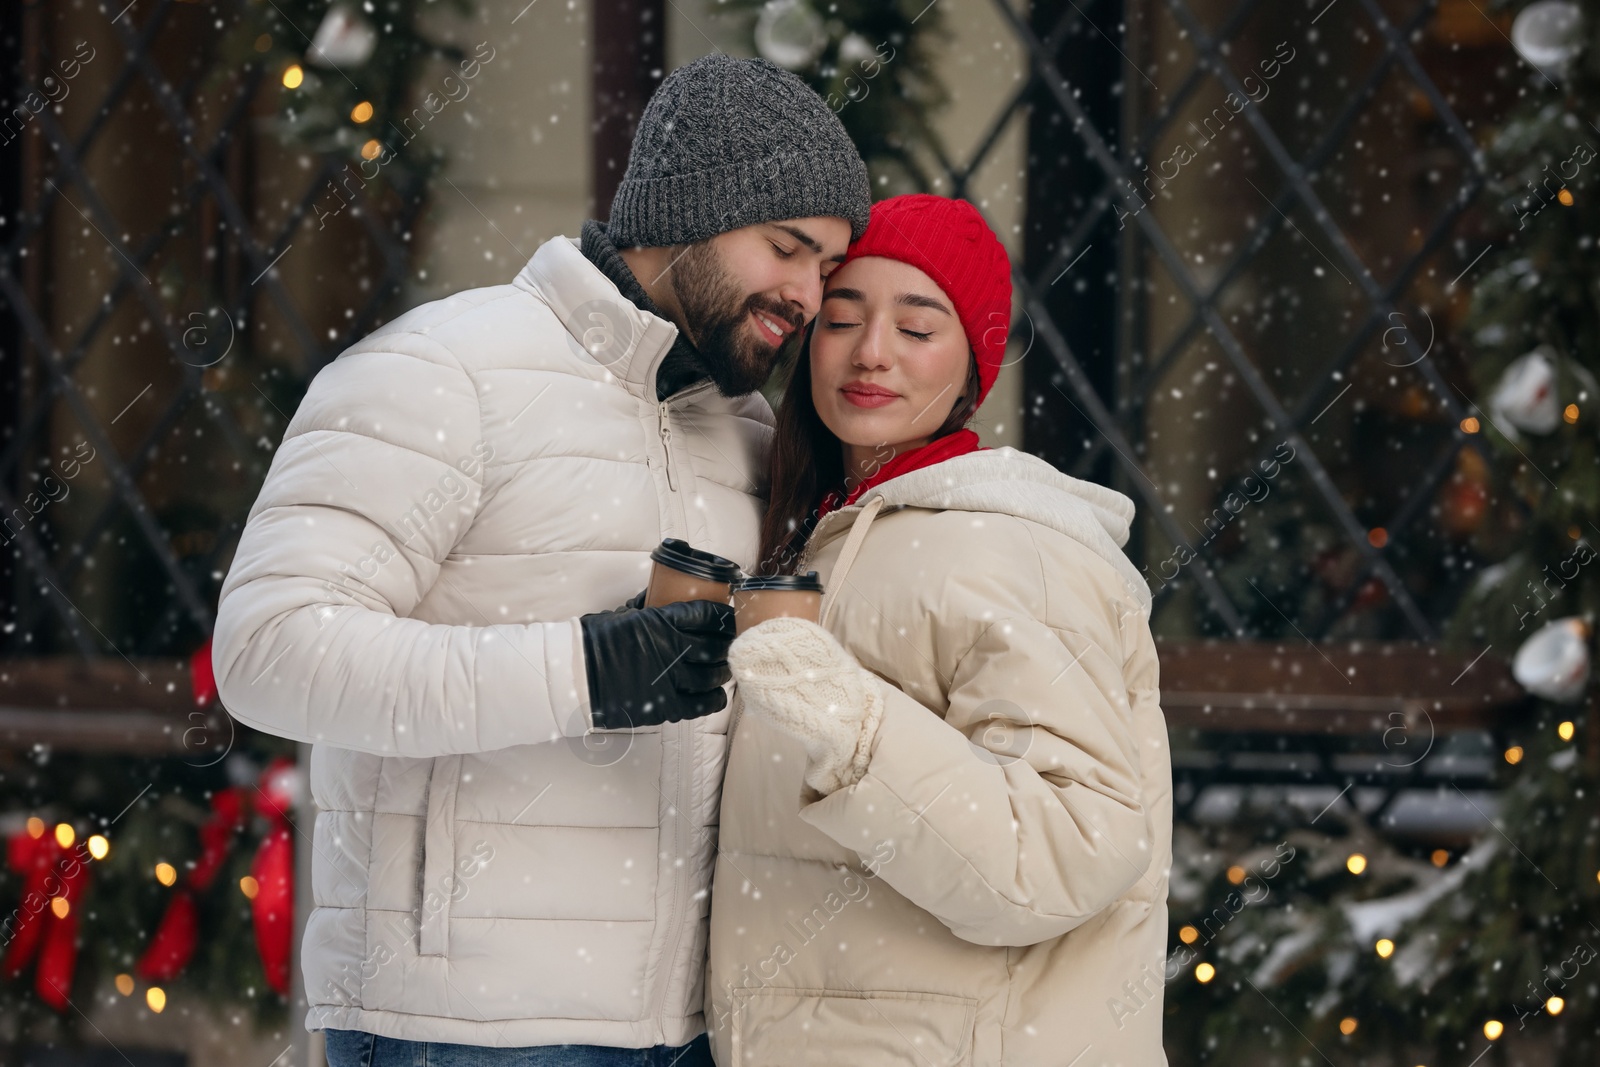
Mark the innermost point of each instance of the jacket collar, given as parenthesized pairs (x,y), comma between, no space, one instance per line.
(625,340)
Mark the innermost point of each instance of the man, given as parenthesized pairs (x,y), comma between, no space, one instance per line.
(419,590)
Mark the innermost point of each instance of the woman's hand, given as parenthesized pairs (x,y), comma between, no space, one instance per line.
(793,674)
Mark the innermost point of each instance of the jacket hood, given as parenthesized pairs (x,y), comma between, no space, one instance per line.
(1006,481)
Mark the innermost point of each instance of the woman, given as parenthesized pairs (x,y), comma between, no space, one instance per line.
(946,821)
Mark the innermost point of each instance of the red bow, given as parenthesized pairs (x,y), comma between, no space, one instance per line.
(272,903)
(178,932)
(271,907)
(47,919)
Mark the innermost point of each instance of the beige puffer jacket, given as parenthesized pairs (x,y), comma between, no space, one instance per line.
(993,890)
(452,493)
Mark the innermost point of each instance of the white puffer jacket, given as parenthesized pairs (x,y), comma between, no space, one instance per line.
(452,493)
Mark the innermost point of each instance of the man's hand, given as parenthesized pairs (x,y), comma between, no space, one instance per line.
(633,603)
(647,666)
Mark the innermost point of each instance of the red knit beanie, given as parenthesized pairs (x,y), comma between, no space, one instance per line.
(949,242)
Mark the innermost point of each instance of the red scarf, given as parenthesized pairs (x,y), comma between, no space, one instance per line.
(940,448)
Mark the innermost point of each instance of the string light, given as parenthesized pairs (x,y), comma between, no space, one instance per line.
(1347,1025)
(166,873)
(1204,972)
(249,887)
(1565,730)
(1385,948)
(1237,874)
(1493,1029)
(125,984)
(361,112)
(1514,754)
(1188,935)
(99,847)
(293,75)
(1356,863)
(65,835)
(1469,425)
(156,997)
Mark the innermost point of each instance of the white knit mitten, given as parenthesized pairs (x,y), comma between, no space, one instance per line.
(793,674)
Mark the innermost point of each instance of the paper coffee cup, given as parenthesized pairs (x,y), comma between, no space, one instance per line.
(684,573)
(772,596)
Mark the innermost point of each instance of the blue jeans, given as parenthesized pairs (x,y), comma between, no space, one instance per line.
(356,1048)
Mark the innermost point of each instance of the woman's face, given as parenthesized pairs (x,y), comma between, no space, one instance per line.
(888,355)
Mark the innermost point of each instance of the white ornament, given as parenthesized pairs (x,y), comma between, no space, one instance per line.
(1526,396)
(855,48)
(345,39)
(1548,35)
(1554,662)
(790,34)
(287,782)
(242,770)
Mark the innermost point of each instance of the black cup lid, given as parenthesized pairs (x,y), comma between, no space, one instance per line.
(801,583)
(680,557)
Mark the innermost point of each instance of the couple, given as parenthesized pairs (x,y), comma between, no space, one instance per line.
(943,834)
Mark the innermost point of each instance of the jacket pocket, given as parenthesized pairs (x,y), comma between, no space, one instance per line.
(439,857)
(828,1027)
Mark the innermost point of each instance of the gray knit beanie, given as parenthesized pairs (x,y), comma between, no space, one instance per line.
(726,143)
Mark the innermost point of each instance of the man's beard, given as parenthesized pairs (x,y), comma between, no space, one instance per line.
(717,312)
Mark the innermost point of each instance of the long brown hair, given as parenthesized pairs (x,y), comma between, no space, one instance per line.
(807,461)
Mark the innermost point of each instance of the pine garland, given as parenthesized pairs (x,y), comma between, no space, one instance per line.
(871,61)
(125,901)
(343,107)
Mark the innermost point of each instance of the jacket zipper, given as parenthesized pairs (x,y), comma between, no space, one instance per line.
(666,442)
(664,426)
(682,838)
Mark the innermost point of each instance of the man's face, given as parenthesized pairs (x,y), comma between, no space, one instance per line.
(747,292)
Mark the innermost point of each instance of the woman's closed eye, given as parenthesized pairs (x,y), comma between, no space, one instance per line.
(840,324)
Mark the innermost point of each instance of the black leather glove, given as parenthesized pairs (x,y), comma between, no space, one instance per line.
(654,665)
(633,603)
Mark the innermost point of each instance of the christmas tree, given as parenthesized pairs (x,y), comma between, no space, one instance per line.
(1359,948)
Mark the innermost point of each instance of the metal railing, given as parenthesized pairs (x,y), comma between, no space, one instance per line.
(206,111)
